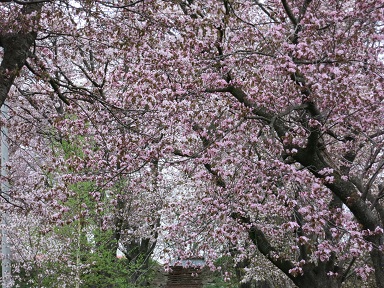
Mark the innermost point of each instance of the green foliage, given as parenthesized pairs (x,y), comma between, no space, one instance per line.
(39,275)
(217,279)
(106,270)
(218,282)
(90,249)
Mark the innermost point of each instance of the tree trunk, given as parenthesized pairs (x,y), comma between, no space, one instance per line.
(263,284)
(240,273)
(314,276)
(138,254)
(378,263)
(16,49)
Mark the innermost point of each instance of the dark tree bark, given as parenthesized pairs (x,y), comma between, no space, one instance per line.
(313,276)
(16,45)
(314,158)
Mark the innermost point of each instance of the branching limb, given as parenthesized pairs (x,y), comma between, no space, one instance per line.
(265,10)
(51,81)
(289,12)
(26,2)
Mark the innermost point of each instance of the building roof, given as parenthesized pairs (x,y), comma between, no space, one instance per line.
(192,262)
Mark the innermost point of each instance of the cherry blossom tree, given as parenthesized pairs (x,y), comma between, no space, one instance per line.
(285,111)
(271,110)
(72,119)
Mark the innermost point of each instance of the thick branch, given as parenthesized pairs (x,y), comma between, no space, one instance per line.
(259,239)
(304,8)
(289,12)
(343,189)
(16,49)
(313,159)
